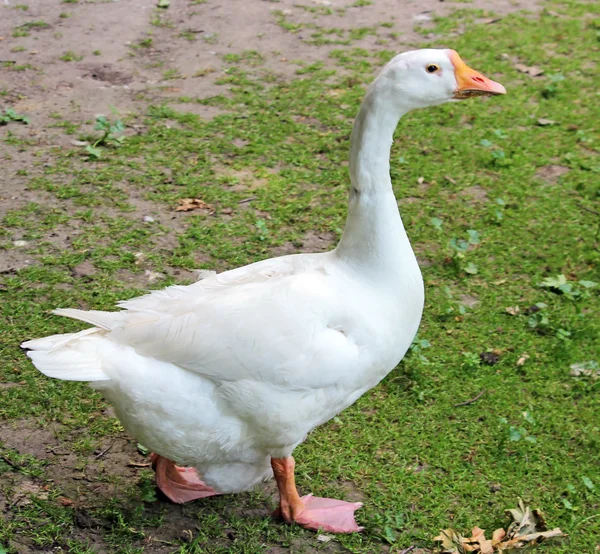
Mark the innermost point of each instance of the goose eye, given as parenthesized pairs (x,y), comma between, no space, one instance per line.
(432,68)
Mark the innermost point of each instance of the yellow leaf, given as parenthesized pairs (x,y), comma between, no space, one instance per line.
(189,204)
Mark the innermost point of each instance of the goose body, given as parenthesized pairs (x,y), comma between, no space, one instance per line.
(228,375)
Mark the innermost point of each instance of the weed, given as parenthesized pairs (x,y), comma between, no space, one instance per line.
(10,115)
(110,134)
(70,56)
(460,247)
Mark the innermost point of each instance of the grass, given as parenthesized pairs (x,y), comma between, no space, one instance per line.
(493,232)
(70,56)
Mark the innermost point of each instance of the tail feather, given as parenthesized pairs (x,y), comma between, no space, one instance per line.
(56,341)
(70,357)
(104,320)
(68,365)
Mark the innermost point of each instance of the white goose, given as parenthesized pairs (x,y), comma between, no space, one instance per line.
(228,375)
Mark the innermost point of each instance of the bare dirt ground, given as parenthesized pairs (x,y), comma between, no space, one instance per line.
(80,58)
(130,53)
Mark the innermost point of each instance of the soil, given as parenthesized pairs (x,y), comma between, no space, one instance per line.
(114,64)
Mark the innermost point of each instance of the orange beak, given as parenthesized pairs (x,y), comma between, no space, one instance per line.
(470,82)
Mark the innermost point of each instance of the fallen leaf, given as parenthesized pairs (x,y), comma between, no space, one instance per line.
(527,528)
(543,122)
(500,282)
(324,538)
(490,20)
(452,542)
(532,71)
(189,204)
(512,310)
(498,535)
(65,501)
(485,545)
(521,361)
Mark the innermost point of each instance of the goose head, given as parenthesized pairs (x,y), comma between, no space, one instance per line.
(429,77)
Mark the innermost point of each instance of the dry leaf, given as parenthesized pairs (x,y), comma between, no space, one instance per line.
(498,535)
(543,122)
(65,501)
(521,361)
(532,71)
(452,542)
(512,310)
(525,520)
(528,528)
(189,204)
(478,538)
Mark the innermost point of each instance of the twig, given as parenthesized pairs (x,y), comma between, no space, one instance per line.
(409,549)
(10,463)
(14,503)
(587,209)
(135,464)
(105,451)
(474,399)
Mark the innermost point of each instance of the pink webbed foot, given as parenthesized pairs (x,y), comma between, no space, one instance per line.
(328,514)
(311,512)
(179,484)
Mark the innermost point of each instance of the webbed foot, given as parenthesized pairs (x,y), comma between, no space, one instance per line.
(179,484)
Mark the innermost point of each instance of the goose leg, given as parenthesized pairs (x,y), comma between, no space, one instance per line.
(327,514)
(179,484)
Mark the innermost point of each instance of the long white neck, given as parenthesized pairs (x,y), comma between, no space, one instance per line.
(374,239)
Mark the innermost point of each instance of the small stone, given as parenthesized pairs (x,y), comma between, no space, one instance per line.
(422,17)
(153,276)
(20,243)
(148,219)
(543,122)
